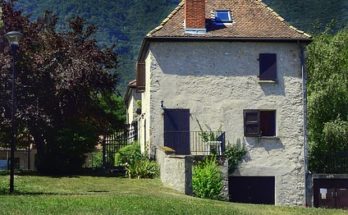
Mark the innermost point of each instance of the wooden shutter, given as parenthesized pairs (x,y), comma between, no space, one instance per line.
(268,123)
(251,123)
(268,67)
(140,76)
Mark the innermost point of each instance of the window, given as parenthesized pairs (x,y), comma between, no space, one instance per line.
(268,67)
(223,16)
(259,123)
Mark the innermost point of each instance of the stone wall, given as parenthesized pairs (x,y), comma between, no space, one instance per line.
(225,195)
(175,171)
(217,81)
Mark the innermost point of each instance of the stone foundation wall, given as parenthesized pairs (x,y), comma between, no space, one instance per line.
(175,171)
(224,171)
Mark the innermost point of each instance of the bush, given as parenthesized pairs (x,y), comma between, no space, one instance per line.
(97,159)
(207,179)
(143,168)
(66,149)
(128,155)
(234,154)
(137,165)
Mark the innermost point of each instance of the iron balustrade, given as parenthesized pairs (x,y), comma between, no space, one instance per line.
(114,142)
(201,143)
(335,163)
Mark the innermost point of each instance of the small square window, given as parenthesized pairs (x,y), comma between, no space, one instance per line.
(259,123)
(223,16)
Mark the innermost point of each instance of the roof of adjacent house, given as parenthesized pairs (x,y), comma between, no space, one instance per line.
(252,19)
(131,86)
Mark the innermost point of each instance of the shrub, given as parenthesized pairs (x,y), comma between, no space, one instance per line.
(207,179)
(128,155)
(97,159)
(136,165)
(65,150)
(143,168)
(234,154)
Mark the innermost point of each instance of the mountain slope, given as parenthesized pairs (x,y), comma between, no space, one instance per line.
(312,16)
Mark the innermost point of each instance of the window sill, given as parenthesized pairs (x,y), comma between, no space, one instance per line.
(270,138)
(266,137)
(267,82)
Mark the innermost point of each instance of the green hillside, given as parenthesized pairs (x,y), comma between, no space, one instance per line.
(312,16)
(126,22)
(120,22)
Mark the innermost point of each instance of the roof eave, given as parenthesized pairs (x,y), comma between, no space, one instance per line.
(234,39)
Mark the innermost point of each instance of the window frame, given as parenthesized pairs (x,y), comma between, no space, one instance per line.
(219,21)
(258,122)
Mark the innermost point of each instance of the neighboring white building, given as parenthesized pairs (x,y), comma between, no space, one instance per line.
(132,100)
(235,66)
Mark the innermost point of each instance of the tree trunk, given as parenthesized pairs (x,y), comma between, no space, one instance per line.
(40,146)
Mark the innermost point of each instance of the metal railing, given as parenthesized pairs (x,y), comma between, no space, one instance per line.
(114,142)
(335,163)
(200,143)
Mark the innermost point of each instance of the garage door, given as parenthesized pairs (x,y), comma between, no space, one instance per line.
(254,190)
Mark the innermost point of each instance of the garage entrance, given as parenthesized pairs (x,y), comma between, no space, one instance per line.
(254,190)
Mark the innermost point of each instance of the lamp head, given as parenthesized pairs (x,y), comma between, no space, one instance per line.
(13,37)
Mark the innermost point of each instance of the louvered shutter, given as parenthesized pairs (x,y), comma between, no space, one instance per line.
(251,123)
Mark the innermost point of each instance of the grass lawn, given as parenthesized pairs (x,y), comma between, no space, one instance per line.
(101,195)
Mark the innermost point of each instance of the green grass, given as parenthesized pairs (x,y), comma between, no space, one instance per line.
(101,195)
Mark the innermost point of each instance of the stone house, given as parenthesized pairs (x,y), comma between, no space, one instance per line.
(235,69)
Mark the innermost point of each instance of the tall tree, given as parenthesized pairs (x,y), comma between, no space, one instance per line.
(328,100)
(62,79)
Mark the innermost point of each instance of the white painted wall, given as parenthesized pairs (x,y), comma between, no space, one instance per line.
(217,81)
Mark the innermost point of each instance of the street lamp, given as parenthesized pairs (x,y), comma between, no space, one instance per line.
(13,38)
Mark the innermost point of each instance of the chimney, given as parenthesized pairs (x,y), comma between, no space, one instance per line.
(195,17)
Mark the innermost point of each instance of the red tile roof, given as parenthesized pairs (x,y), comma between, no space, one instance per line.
(252,19)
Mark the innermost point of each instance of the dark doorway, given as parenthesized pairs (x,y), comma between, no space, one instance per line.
(330,193)
(177,130)
(254,190)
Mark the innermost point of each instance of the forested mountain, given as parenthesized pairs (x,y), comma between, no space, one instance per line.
(313,16)
(120,22)
(126,22)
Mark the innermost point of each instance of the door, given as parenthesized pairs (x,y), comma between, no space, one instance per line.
(254,190)
(177,130)
(330,193)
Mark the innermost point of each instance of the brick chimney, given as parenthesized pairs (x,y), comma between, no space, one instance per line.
(195,17)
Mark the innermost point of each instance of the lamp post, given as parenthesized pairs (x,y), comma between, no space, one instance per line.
(13,38)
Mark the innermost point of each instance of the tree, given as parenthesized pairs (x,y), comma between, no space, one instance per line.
(63,77)
(327,99)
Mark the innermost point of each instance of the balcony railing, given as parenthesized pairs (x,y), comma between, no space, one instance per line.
(196,142)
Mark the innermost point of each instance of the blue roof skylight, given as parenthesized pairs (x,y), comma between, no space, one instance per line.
(223,16)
